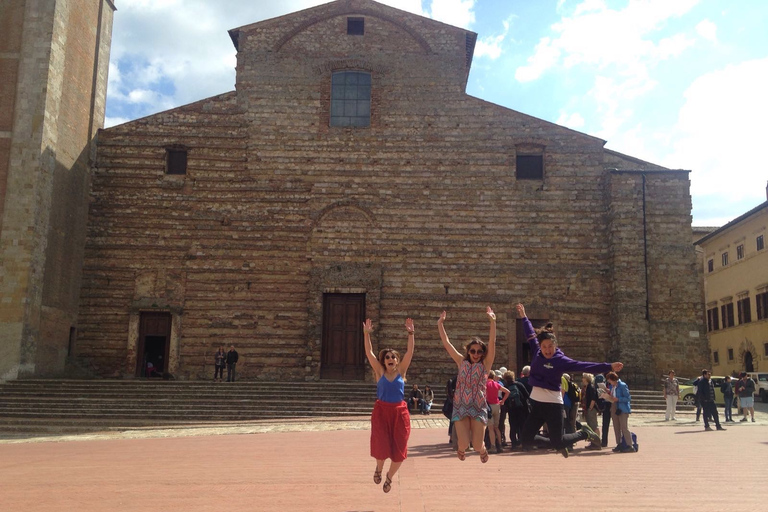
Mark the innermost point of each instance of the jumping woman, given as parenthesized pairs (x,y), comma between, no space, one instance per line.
(470,408)
(547,368)
(390,421)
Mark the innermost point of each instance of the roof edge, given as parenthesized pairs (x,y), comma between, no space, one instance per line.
(735,221)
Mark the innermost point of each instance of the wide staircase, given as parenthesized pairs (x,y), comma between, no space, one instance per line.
(60,406)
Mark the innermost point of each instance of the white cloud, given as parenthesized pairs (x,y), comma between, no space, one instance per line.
(707,30)
(546,56)
(619,47)
(491,46)
(718,128)
(114,121)
(599,36)
(574,120)
(459,13)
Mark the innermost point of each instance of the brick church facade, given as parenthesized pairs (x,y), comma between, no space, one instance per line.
(348,176)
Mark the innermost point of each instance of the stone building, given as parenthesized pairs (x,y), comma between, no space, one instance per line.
(349,175)
(54,56)
(735,269)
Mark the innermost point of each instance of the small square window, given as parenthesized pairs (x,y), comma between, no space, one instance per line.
(740,252)
(730,354)
(716,357)
(711,265)
(175,161)
(760,243)
(355,26)
(529,167)
(725,259)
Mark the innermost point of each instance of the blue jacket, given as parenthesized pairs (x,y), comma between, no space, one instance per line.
(622,393)
(546,373)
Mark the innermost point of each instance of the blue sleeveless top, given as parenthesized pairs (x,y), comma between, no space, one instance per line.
(392,392)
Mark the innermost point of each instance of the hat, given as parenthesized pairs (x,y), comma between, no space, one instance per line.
(498,373)
(503,369)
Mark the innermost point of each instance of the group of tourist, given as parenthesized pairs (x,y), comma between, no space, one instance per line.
(480,397)
(743,389)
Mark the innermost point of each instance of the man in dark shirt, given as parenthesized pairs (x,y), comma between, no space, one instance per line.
(706,392)
(231,363)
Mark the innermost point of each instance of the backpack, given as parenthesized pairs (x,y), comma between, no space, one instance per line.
(514,399)
(634,441)
(574,393)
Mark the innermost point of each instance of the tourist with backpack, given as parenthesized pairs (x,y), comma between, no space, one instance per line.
(516,406)
(548,365)
(571,401)
(590,406)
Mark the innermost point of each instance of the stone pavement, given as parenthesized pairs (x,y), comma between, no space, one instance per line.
(325,466)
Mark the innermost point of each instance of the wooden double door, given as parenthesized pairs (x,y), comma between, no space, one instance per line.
(154,343)
(343,353)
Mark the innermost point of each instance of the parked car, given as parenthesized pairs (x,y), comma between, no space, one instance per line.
(688,395)
(761,380)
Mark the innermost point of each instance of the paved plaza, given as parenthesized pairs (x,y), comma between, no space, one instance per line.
(324,465)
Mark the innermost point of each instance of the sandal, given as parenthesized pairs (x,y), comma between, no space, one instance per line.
(377,476)
(484,457)
(461,454)
(387,484)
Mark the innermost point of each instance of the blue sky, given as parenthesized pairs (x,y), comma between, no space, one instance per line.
(680,83)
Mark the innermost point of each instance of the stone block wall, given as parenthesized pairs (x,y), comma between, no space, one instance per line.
(420,212)
(58,66)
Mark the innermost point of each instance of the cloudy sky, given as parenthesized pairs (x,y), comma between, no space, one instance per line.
(681,83)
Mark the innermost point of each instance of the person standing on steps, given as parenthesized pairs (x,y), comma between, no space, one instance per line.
(390,420)
(219,360)
(232,358)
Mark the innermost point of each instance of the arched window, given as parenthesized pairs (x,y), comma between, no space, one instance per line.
(351,98)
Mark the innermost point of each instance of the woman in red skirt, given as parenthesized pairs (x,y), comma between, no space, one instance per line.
(390,421)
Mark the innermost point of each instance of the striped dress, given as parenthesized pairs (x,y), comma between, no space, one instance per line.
(469,399)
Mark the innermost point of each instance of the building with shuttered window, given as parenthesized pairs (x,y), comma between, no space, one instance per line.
(735,269)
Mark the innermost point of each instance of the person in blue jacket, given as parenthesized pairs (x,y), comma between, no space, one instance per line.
(547,368)
(620,410)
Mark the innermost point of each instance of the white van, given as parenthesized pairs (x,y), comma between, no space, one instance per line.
(761,379)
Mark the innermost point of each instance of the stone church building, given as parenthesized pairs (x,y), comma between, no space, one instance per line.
(350,176)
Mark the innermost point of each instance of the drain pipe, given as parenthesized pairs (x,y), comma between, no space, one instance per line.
(645,256)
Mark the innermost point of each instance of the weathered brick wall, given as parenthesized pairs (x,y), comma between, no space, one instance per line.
(45,208)
(421,211)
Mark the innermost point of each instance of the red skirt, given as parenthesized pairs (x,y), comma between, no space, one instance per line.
(390,429)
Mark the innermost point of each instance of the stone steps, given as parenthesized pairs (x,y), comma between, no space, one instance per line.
(59,405)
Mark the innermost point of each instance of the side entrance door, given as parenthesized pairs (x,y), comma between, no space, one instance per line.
(343,354)
(154,343)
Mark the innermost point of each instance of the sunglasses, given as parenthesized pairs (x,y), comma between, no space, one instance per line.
(390,356)
(473,351)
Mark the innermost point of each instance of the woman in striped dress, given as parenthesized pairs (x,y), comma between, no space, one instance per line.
(470,409)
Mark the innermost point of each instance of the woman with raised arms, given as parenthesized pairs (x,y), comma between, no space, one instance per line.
(390,421)
(470,408)
(547,368)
